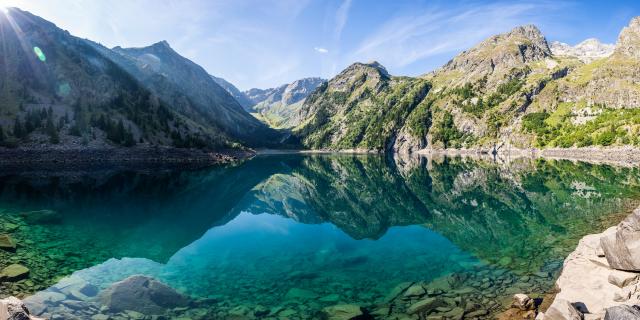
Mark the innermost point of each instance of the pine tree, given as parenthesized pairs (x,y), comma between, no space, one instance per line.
(51,130)
(18,130)
(2,136)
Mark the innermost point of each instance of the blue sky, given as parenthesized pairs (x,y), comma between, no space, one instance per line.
(264,43)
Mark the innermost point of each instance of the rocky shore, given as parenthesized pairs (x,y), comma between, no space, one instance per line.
(600,279)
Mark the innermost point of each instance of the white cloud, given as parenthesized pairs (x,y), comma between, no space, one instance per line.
(321,50)
(342,15)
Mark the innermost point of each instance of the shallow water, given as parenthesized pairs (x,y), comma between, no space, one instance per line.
(288,236)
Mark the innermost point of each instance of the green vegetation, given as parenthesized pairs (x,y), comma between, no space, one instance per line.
(605,128)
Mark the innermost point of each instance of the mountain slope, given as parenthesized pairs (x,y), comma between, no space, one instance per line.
(234,92)
(278,106)
(587,51)
(467,102)
(59,89)
(188,87)
(361,108)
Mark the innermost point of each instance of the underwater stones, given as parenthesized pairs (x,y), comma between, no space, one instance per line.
(396,291)
(622,313)
(622,248)
(622,278)
(300,294)
(522,302)
(41,217)
(342,312)
(141,294)
(6,243)
(414,291)
(330,298)
(14,272)
(426,305)
(562,310)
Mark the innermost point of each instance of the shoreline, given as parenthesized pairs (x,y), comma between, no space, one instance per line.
(592,285)
(25,159)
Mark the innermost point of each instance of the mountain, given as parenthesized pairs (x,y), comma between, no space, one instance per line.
(234,92)
(363,107)
(62,91)
(586,51)
(278,106)
(455,106)
(59,90)
(188,87)
(511,90)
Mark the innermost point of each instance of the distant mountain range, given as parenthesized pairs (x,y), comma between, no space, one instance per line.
(276,107)
(513,89)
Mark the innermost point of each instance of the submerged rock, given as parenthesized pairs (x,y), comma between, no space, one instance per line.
(142,294)
(622,313)
(14,272)
(426,305)
(342,312)
(6,243)
(622,248)
(41,217)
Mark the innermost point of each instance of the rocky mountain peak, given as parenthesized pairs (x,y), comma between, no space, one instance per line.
(629,40)
(500,54)
(358,73)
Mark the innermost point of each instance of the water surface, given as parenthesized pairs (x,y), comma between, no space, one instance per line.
(288,236)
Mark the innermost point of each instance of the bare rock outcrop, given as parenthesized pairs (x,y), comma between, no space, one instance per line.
(622,248)
(13,309)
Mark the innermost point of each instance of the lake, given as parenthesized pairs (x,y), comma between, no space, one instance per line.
(304,236)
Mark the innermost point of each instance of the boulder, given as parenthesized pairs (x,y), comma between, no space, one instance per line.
(522,302)
(342,312)
(6,243)
(622,248)
(414,291)
(14,272)
(621,278)
(141,294)
(622,312)
(13,309)
(562,310)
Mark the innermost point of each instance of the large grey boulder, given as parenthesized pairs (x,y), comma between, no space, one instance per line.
(622,312)
(142,294)
(622,248)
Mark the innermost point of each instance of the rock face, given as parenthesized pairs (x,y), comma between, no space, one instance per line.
(562,310)
(500,53)
(622,248)
(586,51)
(13,309)
(622,313)
(629,40)
(142,294)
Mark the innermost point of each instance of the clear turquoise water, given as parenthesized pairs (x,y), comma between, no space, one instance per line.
(295,234)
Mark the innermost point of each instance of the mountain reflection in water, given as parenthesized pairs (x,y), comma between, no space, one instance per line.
(289,235)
